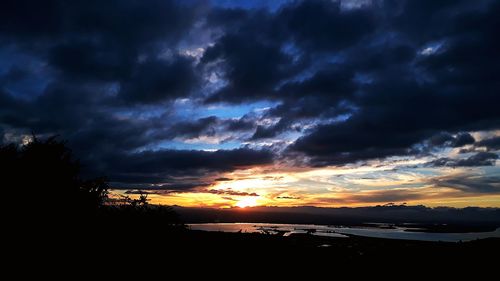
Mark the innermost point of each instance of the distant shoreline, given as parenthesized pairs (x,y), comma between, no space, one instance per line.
(367,230)
(415,227)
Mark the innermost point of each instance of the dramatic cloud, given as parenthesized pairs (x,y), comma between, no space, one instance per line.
(491,143)
(454,141)
(193,129)
(178,169)
(469,183)
(383,196)
(231,192)
(250,67)
(160,80)
(327,24)
(209,191)
(478,159)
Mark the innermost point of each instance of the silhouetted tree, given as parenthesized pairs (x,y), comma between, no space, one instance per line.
(43,174)
(93,193)
(42,182)
(142,201)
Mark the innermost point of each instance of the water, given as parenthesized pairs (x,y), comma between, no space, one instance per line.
(343,232)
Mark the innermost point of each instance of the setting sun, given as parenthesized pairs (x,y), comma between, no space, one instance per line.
(247,202)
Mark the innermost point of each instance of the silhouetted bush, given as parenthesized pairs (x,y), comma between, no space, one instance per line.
(140,202)
(43,183)
(44,175)
(93,193)
(136,214)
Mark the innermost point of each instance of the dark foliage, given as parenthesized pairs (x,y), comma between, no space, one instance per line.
(44,174)
(43,181)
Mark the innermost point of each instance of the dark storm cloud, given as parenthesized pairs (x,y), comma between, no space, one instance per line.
(13,75)
(194,129)
(60,106)
(182,161)
(101,59)
(112,41)
(322,26)
(222,179)
(80,115)
(469,183)
(167,185)
(254,49)
(180,166)
(378,196)
(404,85)
(491,143)
(399,108)
(192,189)
(131,22)
(463,139)
(331,82)
(252,67)
(90,60)
(266,132)
(104,142)
(358,83)
(230,192)
(320,96)
(241,124)
(360,137)
(211,126)
(446,139)
(160,80)
(441,139)
(478,159)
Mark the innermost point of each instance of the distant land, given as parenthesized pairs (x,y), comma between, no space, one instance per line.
(456,219)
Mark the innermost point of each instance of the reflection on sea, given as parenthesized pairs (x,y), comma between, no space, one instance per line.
(376,230)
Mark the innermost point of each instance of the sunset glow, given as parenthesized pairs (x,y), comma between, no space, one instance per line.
(246,202)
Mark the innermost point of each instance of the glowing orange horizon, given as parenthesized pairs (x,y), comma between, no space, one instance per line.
(331,187)
(214,201)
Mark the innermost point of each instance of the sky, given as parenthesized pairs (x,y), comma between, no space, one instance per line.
(263,103)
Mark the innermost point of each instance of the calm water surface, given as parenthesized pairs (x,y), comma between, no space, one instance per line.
(342,232)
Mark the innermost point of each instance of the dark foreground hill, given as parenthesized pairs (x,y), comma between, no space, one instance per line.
(124,245)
